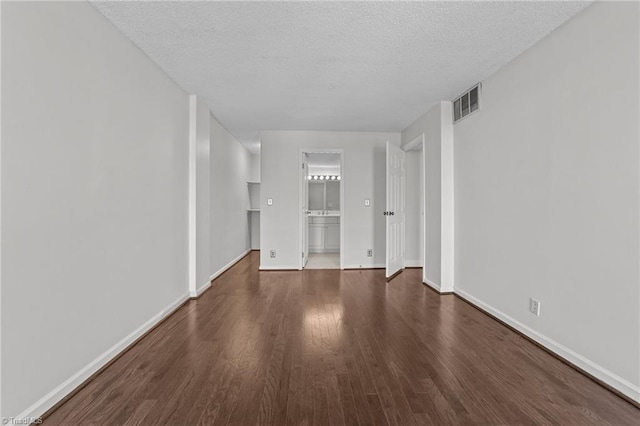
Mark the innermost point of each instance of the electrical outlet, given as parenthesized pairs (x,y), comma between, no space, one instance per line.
(272,253)
(369,252)
(534,307)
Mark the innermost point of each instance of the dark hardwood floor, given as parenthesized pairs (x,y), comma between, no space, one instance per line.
(336,347)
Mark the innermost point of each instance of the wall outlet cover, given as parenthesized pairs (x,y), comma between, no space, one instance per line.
(534,306)
(272,253)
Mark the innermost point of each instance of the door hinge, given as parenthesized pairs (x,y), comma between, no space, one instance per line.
(303,255)
(303,165)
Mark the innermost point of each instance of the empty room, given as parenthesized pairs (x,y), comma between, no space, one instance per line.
(320,213)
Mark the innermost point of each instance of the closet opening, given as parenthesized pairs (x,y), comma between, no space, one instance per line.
(415,207)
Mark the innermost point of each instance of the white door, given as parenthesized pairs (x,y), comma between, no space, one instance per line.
(305,210)
(395,210)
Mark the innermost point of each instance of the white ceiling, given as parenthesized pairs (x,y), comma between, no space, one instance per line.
(349,66)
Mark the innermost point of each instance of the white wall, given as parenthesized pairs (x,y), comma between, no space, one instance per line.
(199,192)
(230,170)
(446,197)
(324,170)
(94,197)
(1,315)
(547,194)
(255,230)
(255,168)
(363,177)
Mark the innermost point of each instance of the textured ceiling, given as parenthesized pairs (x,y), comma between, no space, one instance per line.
(350,66)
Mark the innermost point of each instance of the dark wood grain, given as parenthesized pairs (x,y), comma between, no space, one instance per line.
(330,347)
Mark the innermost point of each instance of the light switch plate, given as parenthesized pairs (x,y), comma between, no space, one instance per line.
(269,201)
(367,202)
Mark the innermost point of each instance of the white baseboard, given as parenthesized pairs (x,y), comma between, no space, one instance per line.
(431,284)
(366,266)
(228,265)
(279,268)
(200,290)
(597,371)
(412,264)
(59,393)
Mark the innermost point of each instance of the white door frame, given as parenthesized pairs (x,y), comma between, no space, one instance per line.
(415,143)
(301,176)
(304,216)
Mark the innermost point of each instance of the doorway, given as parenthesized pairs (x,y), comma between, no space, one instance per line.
(415,204)
(405,207)
(321,209)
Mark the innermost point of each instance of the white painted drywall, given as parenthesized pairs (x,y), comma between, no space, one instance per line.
(413,208)
(446,197)
(94,195)
(1,411)
(324,170)
(422,192)
(199,181)
(255,168)
(230,170)
(430,125)
(363,177)
(547,193)
(255,230)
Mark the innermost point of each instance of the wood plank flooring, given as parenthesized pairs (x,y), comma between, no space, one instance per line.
(330,347)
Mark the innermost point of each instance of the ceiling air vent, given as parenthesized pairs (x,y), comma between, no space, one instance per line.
(466,104)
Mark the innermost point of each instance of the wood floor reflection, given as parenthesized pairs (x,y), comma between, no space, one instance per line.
(336,347)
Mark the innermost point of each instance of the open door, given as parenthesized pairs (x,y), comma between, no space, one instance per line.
(304,219)
(395,210)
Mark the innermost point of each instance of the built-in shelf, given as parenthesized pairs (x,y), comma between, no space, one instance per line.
(254,195)
(253,212)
